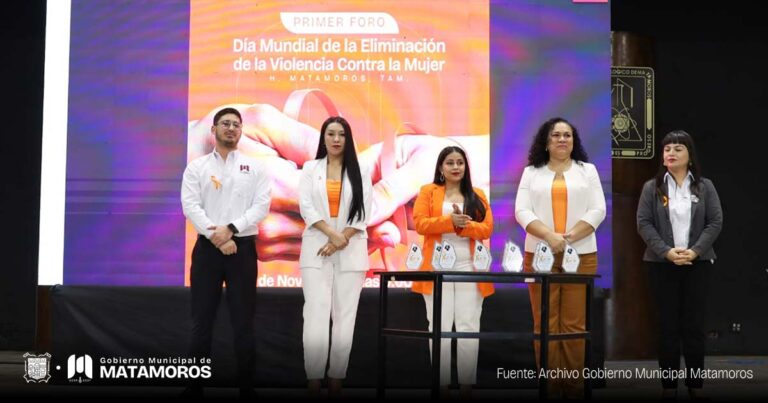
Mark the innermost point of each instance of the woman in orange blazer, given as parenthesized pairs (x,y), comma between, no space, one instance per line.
(450,209)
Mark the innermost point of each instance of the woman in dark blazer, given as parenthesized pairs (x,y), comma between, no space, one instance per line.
(679,217)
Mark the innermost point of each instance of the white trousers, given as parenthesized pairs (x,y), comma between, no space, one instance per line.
(329,293)
(462,305)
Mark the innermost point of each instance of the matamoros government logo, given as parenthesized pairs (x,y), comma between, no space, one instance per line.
(82,368)
(79,368)
(37,368)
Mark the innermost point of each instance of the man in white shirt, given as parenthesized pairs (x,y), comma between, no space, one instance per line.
(225,194)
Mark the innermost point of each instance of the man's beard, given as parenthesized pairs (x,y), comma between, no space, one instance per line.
(227,142)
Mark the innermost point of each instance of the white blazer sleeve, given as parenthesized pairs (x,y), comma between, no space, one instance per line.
(523,206)
(309,213)
(596,204)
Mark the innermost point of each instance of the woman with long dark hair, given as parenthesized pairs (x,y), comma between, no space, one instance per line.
(560,200)
(335,203)
(679,217)
(450,209)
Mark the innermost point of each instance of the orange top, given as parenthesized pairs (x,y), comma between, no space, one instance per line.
(334,196)
(559,204)
(429,221)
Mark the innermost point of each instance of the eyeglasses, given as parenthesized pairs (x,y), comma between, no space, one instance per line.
(227,123)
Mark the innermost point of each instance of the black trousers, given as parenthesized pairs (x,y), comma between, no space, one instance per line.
(210,268)
(680,293)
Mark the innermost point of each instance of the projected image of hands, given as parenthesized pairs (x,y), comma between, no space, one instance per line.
(283,144)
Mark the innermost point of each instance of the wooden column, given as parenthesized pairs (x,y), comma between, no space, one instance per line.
(631,329)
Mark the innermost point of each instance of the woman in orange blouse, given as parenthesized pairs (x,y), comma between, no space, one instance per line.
(450,209)
(560,200)
(335,203)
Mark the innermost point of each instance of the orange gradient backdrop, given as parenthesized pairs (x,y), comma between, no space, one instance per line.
(451,102)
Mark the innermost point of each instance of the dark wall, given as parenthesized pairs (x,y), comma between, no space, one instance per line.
(22,29)
(711,66)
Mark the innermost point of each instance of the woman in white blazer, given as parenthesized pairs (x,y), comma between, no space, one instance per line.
(335,203)
(560,200)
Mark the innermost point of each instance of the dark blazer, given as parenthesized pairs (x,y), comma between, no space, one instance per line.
(655,228)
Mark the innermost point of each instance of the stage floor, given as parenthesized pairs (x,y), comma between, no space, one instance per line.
(12,383)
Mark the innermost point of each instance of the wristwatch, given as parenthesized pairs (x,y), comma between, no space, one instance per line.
(232,228)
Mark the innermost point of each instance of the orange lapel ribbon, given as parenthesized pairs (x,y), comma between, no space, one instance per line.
(216,182)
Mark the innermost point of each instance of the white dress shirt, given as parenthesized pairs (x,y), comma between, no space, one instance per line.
(679,209)
(216,192)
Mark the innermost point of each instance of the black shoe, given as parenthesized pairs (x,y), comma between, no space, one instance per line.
(192,391)
(669,394)
(695,394)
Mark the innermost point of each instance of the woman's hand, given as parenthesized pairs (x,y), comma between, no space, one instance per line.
(556,242)
(678,256)
(459,220)
(338,240)
(327,250)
